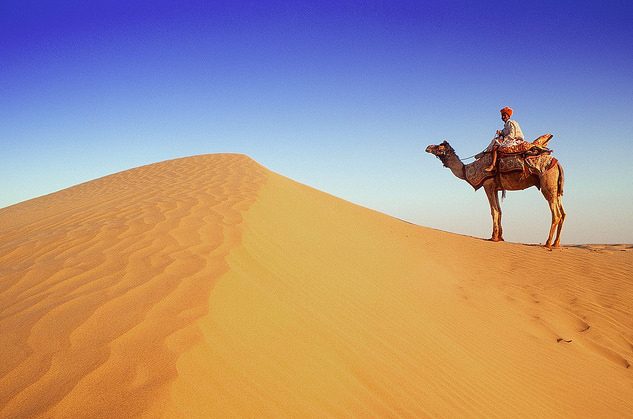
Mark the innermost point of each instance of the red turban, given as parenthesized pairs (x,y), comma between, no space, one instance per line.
(506,110)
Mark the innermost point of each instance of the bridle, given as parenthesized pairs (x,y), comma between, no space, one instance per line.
(447,149)
(444,155)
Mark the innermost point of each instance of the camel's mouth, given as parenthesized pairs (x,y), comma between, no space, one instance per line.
(436,150)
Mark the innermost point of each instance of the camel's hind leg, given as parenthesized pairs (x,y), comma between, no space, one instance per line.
(550,190)
(562,213)
(556,226)
(559,193)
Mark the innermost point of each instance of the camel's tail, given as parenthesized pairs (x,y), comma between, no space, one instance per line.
(561,179)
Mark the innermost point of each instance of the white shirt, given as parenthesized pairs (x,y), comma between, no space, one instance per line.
(512,131)
(512,135)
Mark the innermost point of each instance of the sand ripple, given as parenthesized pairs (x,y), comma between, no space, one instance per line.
(97,277)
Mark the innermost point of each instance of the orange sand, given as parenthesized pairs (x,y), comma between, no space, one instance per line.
(211,287)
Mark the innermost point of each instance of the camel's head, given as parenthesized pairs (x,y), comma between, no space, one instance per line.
(441,151)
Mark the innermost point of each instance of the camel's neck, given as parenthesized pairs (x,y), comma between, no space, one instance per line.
(455,164)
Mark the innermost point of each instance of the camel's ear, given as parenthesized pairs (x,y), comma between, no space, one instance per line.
(444,142)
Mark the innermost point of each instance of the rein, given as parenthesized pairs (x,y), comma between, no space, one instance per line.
(442,158)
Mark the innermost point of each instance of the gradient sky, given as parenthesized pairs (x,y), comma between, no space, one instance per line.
(341,95)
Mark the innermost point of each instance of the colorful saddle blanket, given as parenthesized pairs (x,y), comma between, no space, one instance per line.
(527,164)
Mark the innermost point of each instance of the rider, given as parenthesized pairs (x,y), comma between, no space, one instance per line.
(511,135)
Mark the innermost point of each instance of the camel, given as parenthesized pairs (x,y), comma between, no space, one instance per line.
(550,182)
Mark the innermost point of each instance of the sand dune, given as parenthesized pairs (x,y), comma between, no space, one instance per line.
(211,287)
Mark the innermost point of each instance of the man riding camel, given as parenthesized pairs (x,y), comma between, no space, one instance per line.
(510,136)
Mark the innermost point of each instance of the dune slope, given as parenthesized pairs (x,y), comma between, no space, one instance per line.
(212,287)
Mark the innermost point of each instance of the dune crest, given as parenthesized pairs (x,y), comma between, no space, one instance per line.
(212,287)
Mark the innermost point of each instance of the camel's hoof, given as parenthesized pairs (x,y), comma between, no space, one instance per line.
(495,239)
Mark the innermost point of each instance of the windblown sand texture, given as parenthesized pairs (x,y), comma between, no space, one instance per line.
(211,287)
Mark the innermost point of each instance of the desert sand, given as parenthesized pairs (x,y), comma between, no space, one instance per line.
(210,286)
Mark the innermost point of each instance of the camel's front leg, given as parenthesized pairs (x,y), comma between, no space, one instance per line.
(495,211)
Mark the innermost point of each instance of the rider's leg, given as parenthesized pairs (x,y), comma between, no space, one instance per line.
(494,160)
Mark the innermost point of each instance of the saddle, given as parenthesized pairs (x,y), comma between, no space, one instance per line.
(531,158)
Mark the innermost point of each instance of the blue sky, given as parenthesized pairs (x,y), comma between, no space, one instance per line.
(342,96)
